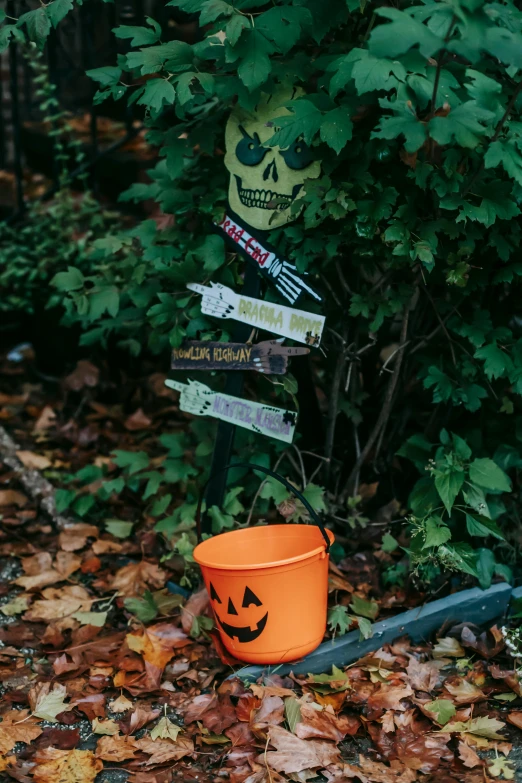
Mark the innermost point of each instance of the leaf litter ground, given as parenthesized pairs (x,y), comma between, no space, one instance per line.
(89,692)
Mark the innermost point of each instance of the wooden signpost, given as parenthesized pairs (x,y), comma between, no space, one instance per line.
(200,400)
(222,302)
(269,357)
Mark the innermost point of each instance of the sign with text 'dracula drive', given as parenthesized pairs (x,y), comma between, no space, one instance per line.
(221,302)
(269,357)
(200,400)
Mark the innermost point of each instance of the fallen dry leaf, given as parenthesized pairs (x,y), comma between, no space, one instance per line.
(380,773)
(270,713)
(116,748)
(59,603)
(65,766)
(41,571)
(163,751)
(137,421)
(156,645)
(468,756)
(16,606)
(422,676)
(84,374)
(464,692)
(47,700)
(516,719)
(107,726)
(137,719)
(15,727)
(448,647)
(295,755)
(33,461)
(74,537)
(165,729)
(121,704)
(195,606)
(133,579)
(324,724)
(11,497)
(389,697)
(45,420)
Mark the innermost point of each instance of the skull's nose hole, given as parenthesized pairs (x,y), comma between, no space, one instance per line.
(231,608)
(266,172)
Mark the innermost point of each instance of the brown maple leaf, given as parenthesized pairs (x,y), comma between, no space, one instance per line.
(468,756)
(93,705)
(156,645)
(133,579)
(196,605)
(41,571)
(59,603)
(74,537)
(135,720)
(65,766)
(390,697)
(15,727)
(380,773)
(324,724)
(116,748)
(163,751)
(271,712)
(214,710)
(295,755)
(422,676)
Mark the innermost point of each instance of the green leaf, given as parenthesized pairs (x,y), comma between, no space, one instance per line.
(38,25)
(292,712)
(365,608)
(462,124)
(71,280)
(274,489)
(417,449)
(436,533)
(98,619)
(404,123)
(304,122)
(118,528)
(144,608)
(424,497)
(63,499)
(507,154)
(374,73)
(315,496)
(443,709)
(235,27)
(58,9)
(157,93)
(448,486)
(283,25)
(496,361)
(365,628)
(475,497)
(211,253)
(488,475)
(175,56)
(134,461)
(255,66)
(485,567)
(141,36)
(339,621)
(336,128)
(389,543)
(484,527)
(104,300)
(402,34)
(214,9)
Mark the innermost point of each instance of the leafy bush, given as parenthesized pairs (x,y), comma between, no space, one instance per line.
(413,231)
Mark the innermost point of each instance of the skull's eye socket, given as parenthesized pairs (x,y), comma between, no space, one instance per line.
(213,595)
(298,155)
(249,150)
(250,598)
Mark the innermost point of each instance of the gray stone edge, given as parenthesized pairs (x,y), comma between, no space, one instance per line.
(474,606)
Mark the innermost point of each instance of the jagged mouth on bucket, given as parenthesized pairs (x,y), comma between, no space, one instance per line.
(243,633)
(264,199)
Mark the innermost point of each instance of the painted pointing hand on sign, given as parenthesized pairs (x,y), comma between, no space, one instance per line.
(222,302)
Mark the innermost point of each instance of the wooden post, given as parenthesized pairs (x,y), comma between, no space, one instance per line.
(225,432)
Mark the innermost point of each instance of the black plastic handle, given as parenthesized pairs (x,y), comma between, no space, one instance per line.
(314,515)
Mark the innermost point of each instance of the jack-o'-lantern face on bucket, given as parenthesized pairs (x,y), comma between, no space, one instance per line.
(252,627)
(265,181)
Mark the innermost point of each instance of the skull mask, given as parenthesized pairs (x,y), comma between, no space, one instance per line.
(260,177)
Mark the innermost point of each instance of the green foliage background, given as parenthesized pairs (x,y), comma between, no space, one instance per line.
(413,230)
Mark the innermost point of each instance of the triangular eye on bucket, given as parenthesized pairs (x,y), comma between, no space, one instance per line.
(214,596)
(250,598)
(231,608)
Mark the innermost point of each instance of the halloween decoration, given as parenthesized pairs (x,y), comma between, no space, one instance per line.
(265,258)
(268,585)
(198,399)
(265,181)
(222,302)
(268,357)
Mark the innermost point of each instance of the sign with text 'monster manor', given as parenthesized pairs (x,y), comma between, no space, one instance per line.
(269,357)
(222,302)
(200,400)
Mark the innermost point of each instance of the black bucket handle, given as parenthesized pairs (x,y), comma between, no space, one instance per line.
(313,514)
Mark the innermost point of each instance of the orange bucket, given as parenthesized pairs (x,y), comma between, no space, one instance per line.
(268,586)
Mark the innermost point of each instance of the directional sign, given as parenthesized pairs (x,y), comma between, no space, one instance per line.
(269,357)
